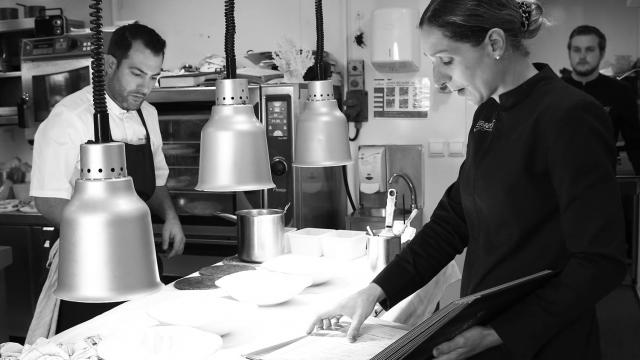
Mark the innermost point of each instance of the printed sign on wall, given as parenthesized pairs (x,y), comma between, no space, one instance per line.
(401,98)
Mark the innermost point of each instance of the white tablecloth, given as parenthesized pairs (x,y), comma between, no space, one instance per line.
(272,324)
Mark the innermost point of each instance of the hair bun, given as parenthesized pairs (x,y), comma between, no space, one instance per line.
(526,8)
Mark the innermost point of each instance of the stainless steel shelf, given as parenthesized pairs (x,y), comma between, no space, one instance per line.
(186,94)
(182,94)
(17,24)
(10,74)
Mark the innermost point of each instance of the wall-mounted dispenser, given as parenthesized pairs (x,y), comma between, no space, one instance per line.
(384,167)
(395,42)
(373,169)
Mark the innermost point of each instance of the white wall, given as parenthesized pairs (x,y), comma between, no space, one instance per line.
(195,28)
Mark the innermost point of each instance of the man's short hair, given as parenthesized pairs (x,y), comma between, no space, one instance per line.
(123,37)
(589,30)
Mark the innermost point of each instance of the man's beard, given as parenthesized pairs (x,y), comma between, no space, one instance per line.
(586,71)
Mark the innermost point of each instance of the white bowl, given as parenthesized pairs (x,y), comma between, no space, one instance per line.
(345,244)
(307,241)
(160,343)
(263,287)
(201,310)
(320,269)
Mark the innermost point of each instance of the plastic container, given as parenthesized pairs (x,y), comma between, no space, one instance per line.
(307,241)
(344,244)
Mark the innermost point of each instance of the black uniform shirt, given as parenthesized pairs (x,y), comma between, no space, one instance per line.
(618,100)
(536,191)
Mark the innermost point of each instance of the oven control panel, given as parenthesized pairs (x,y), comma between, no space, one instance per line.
(64,46)
(277,119)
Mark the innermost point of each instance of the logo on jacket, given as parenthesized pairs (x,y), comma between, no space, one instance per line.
(484,126)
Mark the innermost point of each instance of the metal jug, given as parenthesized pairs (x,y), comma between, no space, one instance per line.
(381,250)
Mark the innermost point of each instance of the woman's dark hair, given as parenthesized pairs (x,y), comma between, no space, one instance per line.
(123,37)
(468,21)
(589,30)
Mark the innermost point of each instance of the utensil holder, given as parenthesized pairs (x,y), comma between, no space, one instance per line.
(381,250)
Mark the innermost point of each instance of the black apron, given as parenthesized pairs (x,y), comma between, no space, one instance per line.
(142,170)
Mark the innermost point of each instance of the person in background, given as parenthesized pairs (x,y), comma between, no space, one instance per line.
(536,191)
(587,45)
(132,65)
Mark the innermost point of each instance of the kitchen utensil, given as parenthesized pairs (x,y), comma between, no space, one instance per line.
(369,231)
(260,233)
(406,224)
(389,210)
(381,250)
(263,288)
(31,11)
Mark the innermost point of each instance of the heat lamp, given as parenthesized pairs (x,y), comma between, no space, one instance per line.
(107,251)
(322,133)
(233,143)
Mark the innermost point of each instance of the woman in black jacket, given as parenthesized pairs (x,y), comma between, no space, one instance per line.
(536,191)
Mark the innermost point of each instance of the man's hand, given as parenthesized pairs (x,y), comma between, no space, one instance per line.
(468,343)
(172,230)
(358,307)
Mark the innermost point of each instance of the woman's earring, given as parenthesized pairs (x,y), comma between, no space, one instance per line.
(497,57)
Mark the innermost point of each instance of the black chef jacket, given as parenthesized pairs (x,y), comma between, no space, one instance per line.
(619,102)
(536,191)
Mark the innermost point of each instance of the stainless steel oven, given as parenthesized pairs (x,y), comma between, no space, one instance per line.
(316,194)
(52,68)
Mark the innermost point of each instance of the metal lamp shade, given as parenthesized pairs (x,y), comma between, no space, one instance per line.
(321,133)
(107,252)
(233,144)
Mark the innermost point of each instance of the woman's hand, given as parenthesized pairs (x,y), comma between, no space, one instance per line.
(468,343)
(357,306)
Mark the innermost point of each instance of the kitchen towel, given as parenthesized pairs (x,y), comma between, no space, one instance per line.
(45,317)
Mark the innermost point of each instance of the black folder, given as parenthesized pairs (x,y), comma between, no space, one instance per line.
(475,309)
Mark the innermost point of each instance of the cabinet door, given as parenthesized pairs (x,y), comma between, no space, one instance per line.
(18,275)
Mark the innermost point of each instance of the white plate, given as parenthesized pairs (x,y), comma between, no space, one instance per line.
(320,269)
(263,287)
(201,310)
(160,343)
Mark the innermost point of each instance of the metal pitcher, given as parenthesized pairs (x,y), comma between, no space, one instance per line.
(260,234)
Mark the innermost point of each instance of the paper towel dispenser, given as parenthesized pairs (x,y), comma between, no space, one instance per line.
(372,169)
(395,41)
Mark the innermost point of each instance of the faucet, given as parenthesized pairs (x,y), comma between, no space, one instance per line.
(412,189)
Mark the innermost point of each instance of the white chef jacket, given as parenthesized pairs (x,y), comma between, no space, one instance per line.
(56,151)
